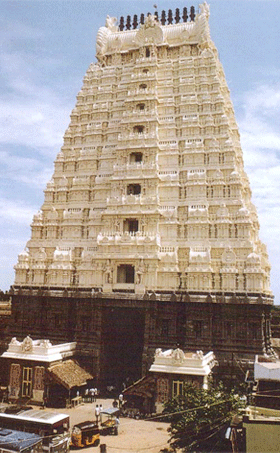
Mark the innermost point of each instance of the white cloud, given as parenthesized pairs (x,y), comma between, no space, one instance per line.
(11,30)
(15,212)
(259,125)
(31,114)
(264,99)
(27,170)
(260,138)
(11,242)
(36,180)
(38,122)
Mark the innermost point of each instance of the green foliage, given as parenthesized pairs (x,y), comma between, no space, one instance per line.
(200,417)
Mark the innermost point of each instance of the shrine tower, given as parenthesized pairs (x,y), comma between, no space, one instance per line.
(148,221)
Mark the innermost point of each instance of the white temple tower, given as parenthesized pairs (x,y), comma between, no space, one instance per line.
(149,197)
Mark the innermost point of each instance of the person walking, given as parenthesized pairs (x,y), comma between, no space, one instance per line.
(97,413)
(120,400)
(100,412)
(117,422)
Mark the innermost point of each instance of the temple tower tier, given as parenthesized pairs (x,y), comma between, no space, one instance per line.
(149,200)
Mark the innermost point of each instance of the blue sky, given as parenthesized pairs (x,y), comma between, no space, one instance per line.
(46,47)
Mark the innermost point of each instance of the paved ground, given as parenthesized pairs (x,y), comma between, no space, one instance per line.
(135,436)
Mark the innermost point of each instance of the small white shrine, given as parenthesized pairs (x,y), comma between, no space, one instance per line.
(179,362)
(42,373)
(39,350)
(266,370)
(174,367)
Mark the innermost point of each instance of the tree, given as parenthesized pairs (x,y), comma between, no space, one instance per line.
(200,417)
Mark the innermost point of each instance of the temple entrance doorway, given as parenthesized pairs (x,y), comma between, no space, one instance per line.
(122,346)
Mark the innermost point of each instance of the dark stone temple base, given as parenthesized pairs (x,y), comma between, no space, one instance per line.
(117,334)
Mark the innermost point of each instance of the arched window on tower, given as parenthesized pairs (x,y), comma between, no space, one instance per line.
(133,189)
(135,157)
(138,129)
(143,86)
(140,106)
(125,273)
(130,225)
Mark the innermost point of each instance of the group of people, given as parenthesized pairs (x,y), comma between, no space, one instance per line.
(92,394)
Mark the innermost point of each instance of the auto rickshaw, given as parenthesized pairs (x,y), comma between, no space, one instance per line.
(85,434)
(110,426)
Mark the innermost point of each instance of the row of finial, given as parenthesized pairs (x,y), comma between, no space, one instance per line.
(163,19)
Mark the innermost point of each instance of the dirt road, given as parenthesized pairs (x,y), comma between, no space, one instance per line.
(135,436)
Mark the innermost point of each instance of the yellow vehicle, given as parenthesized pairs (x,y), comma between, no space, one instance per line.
(85,434)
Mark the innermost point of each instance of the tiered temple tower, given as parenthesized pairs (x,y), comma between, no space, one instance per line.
(147,236)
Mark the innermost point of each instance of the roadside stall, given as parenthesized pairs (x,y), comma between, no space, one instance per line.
(110,425)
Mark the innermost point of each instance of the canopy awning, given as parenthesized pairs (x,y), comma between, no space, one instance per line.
(110,411)
(69,374)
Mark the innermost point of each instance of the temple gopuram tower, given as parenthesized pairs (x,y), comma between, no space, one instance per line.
(147,236)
